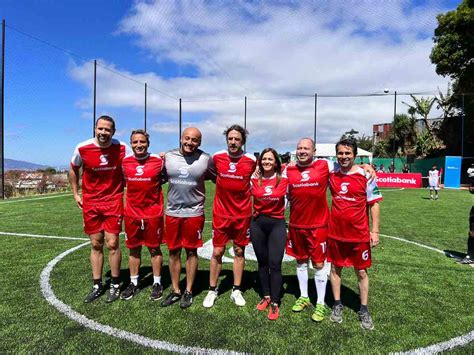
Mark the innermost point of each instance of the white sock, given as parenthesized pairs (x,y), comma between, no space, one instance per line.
(134,279)
(156,280)
(320,280)
(302,274)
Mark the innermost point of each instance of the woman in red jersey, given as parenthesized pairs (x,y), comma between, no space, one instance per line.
(267,229)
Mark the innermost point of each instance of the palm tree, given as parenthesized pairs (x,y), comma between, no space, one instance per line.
(422,107)
(403,136)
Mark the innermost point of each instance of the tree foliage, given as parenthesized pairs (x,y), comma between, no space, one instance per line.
(453,55)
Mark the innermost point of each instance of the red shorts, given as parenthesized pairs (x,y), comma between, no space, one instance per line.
(347,254)
(225,229)
(304,244)
(146,231)
(184,232)
(103,217)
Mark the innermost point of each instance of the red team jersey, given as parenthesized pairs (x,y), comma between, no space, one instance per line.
(269,199)
(144,197)
(351,193)
(307,187)
(102,179)
(233,199)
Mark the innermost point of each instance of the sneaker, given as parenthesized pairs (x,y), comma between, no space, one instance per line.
(156,292)
(436,197)
(320,312)
(274,312)
(263,304)
(300,304)
(365,320)
(466,261)
(114,293)
(186,300)
(129,292)
(95,293)
(170,299)
(336,314)
(237,297)
(210,299)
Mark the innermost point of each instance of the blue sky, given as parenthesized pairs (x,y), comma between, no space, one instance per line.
(206,51)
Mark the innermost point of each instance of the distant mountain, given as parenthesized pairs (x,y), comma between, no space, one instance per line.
(11,164)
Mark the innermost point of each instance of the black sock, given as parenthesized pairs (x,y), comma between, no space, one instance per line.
(235,287)
(337,302)
(115,280)
(470,247)
(98,282)
(364,309)
(212,288)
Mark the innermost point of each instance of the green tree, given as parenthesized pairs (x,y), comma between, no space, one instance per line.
(403,134)
(453,55)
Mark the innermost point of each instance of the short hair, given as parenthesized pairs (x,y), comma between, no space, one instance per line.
(106,118)
(277,161)
(348,142)
(140,131)
(238,128)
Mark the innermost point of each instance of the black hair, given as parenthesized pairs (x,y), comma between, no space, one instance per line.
(106,118)
(238,128)
(348,142)
(140,131)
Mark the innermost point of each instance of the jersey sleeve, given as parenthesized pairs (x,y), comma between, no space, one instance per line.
(373,193)
(76,160)
(211,170)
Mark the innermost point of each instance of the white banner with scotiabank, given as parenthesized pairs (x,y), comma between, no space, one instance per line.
(411,180)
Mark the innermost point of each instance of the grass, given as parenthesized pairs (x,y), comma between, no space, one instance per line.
(418,297)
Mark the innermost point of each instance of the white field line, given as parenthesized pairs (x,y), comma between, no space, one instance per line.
(384,190)
(118,333)
(163,345)
(33,199)
(40,236)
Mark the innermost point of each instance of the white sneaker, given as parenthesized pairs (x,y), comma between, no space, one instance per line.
(210,299)
(237,297)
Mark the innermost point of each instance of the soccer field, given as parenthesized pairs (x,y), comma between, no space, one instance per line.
(419,297)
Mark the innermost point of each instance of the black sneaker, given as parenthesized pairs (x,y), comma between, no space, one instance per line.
(95,293)
(466,261)
(170,299)
(114,293)
(186,300)
(129,292)
(156,292)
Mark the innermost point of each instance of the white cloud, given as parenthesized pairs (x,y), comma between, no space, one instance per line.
(262,49)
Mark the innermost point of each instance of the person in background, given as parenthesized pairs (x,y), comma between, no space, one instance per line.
(433,182)
(391,168)
(469,259)
(405,169)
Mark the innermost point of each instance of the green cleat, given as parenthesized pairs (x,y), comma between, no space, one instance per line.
(320,312)
(300,304)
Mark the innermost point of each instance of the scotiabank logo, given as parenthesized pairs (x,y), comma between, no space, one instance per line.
(397,180)
(344,188)
(139,170)
(232,167)
(104,160)
(268,190)
(183,172)
(305,175)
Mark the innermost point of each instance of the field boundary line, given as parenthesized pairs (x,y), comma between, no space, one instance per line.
(40,236)
(34,199)
(49,295)
(51,298)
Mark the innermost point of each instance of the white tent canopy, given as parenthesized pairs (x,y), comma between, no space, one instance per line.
(328,151)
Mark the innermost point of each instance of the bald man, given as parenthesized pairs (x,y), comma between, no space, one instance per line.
(186,169)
